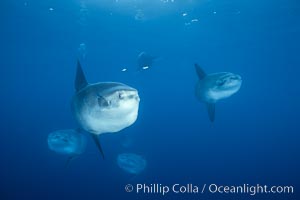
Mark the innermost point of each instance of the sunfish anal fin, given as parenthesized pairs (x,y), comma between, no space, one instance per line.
(80,81)
(211,111)
(97,141)
(201,74)
(68,161)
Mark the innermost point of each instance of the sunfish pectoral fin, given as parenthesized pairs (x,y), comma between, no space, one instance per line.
(80,81)
(211,111)
(102,101)
(97,142)
(201,74)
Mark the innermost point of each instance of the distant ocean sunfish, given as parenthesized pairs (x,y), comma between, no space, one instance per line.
(104,107)
(131,163)
(67,142)
(213,87)
(145,61)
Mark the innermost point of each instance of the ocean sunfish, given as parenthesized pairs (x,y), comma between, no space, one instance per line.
(67,142)
(131,163)
(104,107)
(145,61)
(210,88)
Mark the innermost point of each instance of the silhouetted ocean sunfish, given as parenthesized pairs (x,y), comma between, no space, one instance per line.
(104,107)
(145,61)
(213,87)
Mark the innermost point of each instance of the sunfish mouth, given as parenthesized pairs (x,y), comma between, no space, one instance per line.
(132,94)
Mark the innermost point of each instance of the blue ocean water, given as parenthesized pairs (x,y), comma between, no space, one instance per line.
(254,139)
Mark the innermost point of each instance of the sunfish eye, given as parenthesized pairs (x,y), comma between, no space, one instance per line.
(121,95)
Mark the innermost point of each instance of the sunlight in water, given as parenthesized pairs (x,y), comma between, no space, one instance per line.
(141,10)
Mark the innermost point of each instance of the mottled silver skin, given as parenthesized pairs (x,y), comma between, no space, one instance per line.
(217,86)
(106,107)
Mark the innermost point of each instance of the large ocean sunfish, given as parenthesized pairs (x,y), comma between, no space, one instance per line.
(213,87)
(104,107)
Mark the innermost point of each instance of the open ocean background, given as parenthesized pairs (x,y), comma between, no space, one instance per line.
(255,138)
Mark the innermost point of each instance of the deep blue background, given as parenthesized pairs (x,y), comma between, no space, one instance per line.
(255,138)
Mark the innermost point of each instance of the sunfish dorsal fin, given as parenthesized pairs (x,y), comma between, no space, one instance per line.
(211,107)
(80,81)
(201,74)
(96,140)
